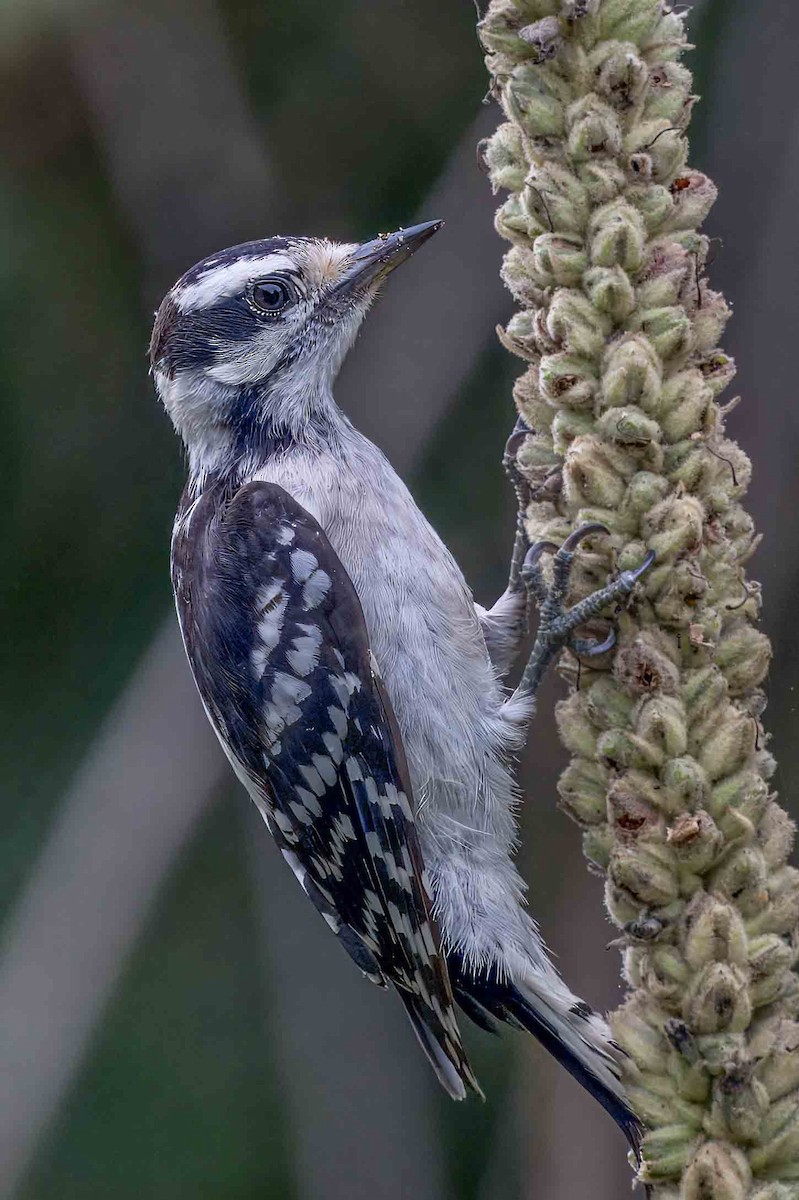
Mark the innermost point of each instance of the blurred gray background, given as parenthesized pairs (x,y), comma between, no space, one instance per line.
(174,1019)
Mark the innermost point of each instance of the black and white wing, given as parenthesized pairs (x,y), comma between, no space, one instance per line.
(278,645)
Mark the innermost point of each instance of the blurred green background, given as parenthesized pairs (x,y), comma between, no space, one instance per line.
(173,1024)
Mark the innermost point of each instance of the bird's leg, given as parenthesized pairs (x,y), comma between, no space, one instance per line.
(523,496)
(506,624)
(557,625)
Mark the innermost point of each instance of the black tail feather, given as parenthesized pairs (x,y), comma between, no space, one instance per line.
(504,1001)
(475,1011)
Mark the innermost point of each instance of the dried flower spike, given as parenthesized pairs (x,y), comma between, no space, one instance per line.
(668,776)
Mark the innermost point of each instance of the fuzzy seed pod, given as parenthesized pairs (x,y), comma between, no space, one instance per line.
(696,841)
(769,959)
(567,379)
(716,1172)
(645,873)
(617,237)
(559,261)
(743,654)
(556,199)
(717,1000)
(779,1069)
(582,788)
(714,932)
(668,1150)
(775,835)
(513,223)
(632,374)
(503,155)
(776,1191)
(685,786)
(778,1148)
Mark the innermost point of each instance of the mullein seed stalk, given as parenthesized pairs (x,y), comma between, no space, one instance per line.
(669,770)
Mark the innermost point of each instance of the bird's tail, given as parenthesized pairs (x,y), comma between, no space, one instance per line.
(442,1045)
(576,1036)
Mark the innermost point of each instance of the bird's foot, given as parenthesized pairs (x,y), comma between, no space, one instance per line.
(558,625)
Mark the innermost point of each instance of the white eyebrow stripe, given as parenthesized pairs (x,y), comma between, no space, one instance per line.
(217,282)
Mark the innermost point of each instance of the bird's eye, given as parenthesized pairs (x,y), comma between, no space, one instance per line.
(270,296)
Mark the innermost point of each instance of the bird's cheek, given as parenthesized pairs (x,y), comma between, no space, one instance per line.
(240,363)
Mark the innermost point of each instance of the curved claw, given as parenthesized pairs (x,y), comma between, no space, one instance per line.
(533,555)
(578,535)
(634,575)
(590,647)
(519,432)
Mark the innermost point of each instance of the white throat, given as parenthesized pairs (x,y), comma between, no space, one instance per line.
(227,429)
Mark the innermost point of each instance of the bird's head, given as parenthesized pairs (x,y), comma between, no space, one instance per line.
(246,345)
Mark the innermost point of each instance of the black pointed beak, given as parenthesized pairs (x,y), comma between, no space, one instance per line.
(372,261)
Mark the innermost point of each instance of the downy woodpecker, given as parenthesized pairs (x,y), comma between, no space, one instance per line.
(355,686)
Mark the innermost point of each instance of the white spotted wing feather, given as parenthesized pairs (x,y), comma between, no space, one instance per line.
(279,649)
